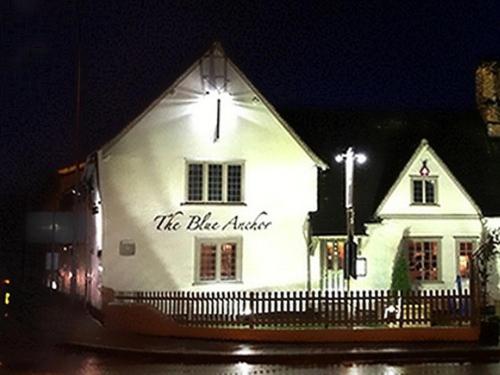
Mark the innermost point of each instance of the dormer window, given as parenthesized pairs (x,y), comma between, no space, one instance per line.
(424,190)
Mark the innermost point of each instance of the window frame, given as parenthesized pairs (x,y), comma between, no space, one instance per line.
(218,241)
(424,179)
(437,240)
(458,240)
(205,182)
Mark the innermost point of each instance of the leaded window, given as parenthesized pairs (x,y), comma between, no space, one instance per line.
(195,182)
(234,183)
(214,182)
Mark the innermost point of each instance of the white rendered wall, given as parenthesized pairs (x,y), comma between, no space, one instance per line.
(143,175)
(381,245)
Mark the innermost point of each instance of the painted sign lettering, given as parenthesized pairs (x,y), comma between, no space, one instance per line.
(174,221)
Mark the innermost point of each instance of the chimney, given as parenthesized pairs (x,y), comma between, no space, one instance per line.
(488,95)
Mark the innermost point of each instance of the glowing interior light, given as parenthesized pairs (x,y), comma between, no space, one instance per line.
(7,298)
(339,158)
(361,158)
(6,281)
(53,285)
(70,274)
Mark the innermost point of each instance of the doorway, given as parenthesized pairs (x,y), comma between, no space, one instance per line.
(332,264)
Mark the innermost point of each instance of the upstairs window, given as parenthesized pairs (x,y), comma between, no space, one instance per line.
(209,182)
(195,182)
(424,190)
(215,182)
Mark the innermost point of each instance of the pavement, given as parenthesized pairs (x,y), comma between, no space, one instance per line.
(47,318)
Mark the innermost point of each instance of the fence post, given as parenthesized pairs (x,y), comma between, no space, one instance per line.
(251,308)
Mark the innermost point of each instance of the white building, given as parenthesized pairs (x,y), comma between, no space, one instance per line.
(408,201)
(208,189)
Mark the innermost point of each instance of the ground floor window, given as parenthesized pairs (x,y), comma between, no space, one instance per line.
(465,247)
(423,259)
(218,260)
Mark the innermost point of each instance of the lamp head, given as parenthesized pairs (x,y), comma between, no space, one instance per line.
(361,158)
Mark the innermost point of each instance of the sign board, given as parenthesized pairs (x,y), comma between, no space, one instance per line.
(361,267)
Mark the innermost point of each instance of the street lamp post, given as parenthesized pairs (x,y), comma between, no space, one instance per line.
(349,158)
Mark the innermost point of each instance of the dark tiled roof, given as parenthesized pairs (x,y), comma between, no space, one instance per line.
(389,140)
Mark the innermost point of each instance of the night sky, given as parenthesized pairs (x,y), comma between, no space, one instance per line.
(348,55)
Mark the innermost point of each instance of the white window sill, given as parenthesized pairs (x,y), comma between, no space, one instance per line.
(217,282)
(203,203)
(424,204)
(428,282)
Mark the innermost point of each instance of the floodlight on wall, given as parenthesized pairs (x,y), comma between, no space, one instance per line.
(214,80)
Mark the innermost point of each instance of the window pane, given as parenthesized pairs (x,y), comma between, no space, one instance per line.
(215,182)
(330,253)
(429,192)
(414,261)
(464,258)
(195,182)
(423,262)
(207,261)
(228,261)
(234,183)
(427,266)
(418,192)
(341,253)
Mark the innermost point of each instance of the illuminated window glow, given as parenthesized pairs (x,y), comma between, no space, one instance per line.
(228,261)
(218,260)
(423,259)
(465,249)
(334,255)
(208,256)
